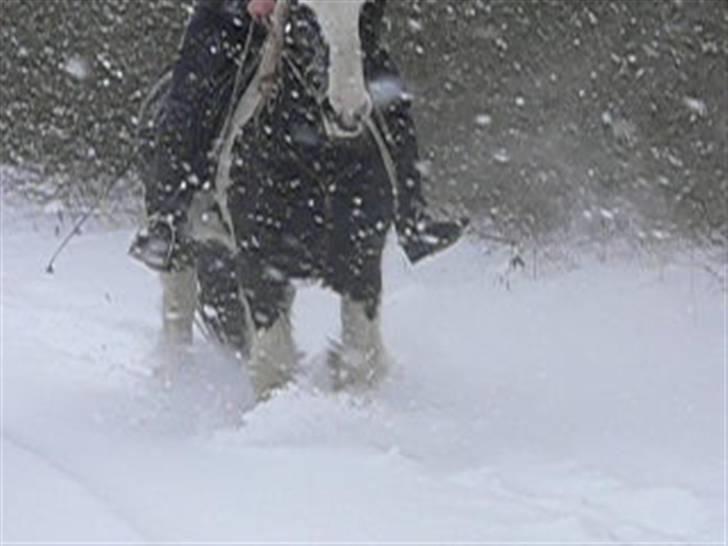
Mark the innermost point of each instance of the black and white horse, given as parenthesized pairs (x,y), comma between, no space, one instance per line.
(304,190)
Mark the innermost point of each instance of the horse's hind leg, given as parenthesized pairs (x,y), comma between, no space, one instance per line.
(275,357)
(223,307)
(249,312)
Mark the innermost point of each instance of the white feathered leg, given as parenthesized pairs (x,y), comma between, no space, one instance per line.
(361,361)
(274,357)
(179,300)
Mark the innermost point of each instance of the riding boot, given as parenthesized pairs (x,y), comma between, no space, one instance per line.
(422,236)
(420,233)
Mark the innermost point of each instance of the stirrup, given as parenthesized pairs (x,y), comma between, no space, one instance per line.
(154,244)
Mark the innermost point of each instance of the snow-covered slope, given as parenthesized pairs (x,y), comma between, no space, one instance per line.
(581,406)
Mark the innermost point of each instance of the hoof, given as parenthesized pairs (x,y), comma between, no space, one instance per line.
(356,369)
(268,382)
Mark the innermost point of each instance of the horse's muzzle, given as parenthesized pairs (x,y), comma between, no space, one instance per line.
(346,124)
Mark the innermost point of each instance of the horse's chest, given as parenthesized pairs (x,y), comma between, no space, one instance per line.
(290,165)
(298,196)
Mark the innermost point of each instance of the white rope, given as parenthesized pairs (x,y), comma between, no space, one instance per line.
(249,104)
(385,154)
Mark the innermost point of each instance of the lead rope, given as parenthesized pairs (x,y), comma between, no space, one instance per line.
(246,108)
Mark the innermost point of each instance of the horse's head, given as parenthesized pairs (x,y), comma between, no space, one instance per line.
(326,37)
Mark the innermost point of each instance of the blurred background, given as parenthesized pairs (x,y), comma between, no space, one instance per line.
(546,122)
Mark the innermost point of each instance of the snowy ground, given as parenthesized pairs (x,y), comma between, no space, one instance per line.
(581,406)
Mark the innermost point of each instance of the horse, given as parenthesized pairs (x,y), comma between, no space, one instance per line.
(304,190)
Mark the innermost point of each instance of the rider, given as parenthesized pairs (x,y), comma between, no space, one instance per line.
(180,161)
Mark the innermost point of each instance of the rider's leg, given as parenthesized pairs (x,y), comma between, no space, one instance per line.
(176,155)
(419,232)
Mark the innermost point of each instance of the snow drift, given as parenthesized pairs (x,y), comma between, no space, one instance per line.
(577,406)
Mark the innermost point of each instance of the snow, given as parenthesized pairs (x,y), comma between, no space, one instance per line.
(502,156)
(696,105)
(573,406)
(484,120)
(78,67)
(385,91)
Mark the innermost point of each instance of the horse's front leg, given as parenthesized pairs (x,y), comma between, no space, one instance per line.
(179,301)
(361,360)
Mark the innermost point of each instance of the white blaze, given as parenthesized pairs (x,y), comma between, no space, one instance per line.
(339,21)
